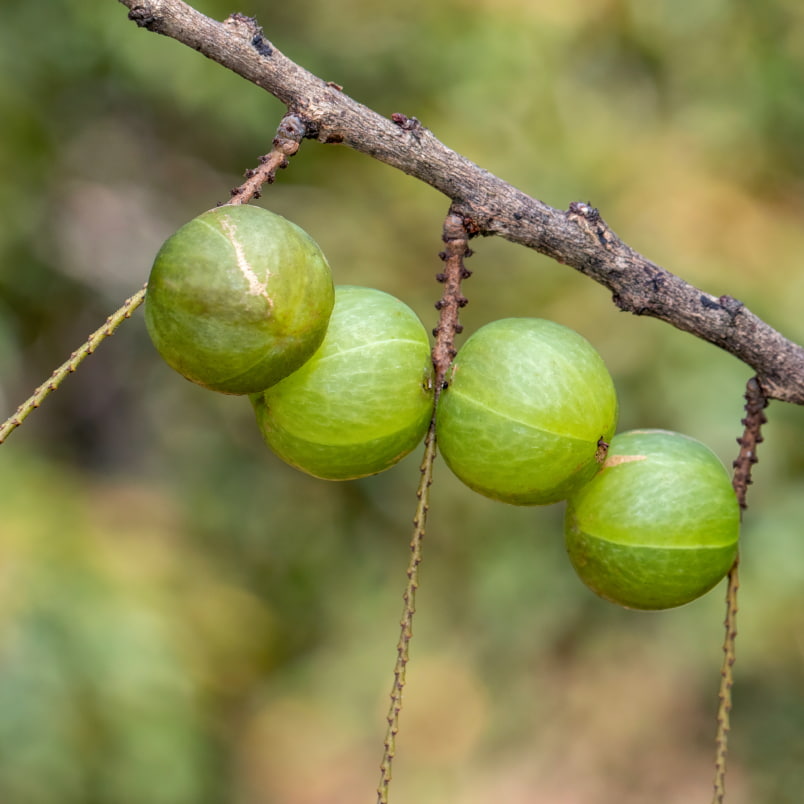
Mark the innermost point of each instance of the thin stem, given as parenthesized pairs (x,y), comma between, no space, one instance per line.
(70,365)
(456,248)
(726,683)
(755,403)
(409,597)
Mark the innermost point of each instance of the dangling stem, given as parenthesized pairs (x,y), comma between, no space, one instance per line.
(69,366)
(456,248)
(726,683)
(409,597)
(755,403)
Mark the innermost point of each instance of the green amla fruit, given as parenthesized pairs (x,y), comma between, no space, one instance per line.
(658,526)
(528,411)
(238,298)
(363,401)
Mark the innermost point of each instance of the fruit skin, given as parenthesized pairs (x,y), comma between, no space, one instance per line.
(238,298)
(527,404)
(363,401)
(658,526)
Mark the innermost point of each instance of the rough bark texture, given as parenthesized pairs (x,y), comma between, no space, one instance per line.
(577,237)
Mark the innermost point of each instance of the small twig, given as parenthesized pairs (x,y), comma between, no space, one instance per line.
(755,404)
(456,248)
(69,366)
(289,134)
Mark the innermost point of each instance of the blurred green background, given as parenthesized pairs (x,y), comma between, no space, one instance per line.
(185,619)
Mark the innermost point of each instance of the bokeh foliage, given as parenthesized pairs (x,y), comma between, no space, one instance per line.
(185,619)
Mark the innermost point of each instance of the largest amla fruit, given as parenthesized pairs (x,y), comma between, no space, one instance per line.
(527,413)
(658,526)
(238,298)
(363,401)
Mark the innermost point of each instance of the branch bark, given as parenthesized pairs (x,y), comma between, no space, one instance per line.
(577,237)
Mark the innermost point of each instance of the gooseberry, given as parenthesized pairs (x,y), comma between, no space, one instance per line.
(658,526)
(364,399)
(238,298)
(528,411)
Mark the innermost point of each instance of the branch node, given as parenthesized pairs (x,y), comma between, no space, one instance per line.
(289,134)
(262,45)
(145,19)
(588,218)
(732,306)
(578,209)
(411,124)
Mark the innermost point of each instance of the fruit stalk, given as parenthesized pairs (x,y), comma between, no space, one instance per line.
(455,250)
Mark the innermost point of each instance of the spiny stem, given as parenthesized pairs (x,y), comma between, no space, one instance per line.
(456,248)
(69,366)
(755,403)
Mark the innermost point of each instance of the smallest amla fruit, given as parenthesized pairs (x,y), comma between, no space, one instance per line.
(238,298)
(658,526)
(363,401)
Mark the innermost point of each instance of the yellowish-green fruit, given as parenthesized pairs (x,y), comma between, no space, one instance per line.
(238,298)
(528,411)
(658,526)
(363,401)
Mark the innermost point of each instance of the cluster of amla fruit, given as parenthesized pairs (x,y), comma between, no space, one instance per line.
(241,301)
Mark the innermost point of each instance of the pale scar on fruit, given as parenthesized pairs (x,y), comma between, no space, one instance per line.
(255,287)
(616,460)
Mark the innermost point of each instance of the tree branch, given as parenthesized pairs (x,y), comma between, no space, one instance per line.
(577,237)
